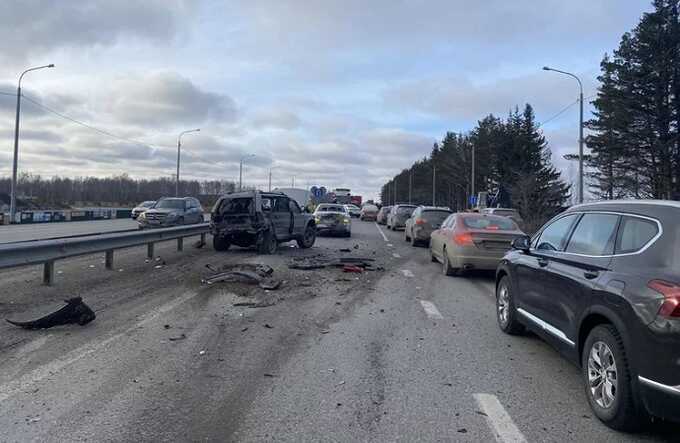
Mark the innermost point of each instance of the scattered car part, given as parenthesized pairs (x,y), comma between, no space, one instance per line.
(75,311)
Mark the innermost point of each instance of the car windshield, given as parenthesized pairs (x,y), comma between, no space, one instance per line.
(489,222)
(331,208)
(170,203)
(435,216)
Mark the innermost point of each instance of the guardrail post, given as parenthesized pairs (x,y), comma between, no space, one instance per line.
(180,244)
(48,273)
(149,251)
(109,259)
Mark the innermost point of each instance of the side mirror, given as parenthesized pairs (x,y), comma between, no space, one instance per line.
(522,243)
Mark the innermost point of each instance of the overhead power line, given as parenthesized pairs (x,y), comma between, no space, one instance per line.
(83,124)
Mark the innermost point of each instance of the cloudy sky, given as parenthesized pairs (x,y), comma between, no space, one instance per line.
(333,92)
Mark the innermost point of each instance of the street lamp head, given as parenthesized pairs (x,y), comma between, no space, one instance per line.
(545,68)
(51,65)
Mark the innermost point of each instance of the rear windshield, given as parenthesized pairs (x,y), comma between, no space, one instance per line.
(236,206)
(330,209)
(504,212)
(489,222)
(170,204)
(405,210)
(435,216)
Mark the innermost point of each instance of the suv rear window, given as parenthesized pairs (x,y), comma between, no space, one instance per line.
(236,206)
(489,222)
(634,234)
(408,210)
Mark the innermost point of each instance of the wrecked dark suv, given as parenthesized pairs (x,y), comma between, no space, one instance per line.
(260,219)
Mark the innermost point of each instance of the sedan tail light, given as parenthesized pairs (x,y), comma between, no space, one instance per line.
(463,239)
(421,221)
(671,293)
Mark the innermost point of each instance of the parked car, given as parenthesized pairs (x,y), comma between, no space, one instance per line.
(423,221)
(381,218)
(601,283)
(171,211)
(467,241)
(505,212)
(261,219)
(142,207)
(354,210)
(369,212)
(398,215)
(333,219)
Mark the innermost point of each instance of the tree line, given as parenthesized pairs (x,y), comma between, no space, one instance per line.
(635,139)
(511,158)
(57,192)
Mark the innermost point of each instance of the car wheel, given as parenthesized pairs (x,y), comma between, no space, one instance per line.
(446,265)
(220,243)
(308,238)
(608,380)
(506,313)
(406,237)
(268,243)
(414,242)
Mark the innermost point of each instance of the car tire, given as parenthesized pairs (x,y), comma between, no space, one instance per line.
(414,242)
(506,313)
(308,238)
(433,259)
(406,237)
(268,243)
(617,407)
(446,265)
(220,243)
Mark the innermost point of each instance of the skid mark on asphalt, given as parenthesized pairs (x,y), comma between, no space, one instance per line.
(407,273)
(431,310)
(381,232)
(14,387)
(499,420)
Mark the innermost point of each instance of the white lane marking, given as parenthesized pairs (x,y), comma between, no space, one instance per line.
(23,383)
(498,419)
(431,310)
(407,273)
(395,255)
(381,232)
(390,245)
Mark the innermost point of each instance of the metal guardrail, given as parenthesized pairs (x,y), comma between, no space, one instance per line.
(46,252)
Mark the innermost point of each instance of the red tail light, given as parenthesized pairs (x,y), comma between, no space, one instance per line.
(463,239)
(671,292)
(421,221)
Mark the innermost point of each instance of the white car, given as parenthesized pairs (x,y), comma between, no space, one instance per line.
(354,210)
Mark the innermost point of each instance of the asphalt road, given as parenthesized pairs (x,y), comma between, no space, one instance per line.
(35,231)
(403,354)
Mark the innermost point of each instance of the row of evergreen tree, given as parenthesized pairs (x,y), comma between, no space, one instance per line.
(120,190)
(635,132)
(511,154)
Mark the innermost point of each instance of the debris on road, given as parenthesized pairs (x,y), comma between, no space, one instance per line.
(311,263)
(268,326)
(180,337)
(201,353)
(75,311)
(345,250)
(199,244)
(352,268)
(244,273)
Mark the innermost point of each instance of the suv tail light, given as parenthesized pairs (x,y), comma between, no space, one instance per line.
(421,221)
(671,293)
(463,239)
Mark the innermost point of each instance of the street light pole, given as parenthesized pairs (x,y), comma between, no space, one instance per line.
(240,171)
(580,130)
(179,145)
(434,184)
(472,184)
(15,162)
(410,184)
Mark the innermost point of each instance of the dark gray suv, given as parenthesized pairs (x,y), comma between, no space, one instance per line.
(601,283)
